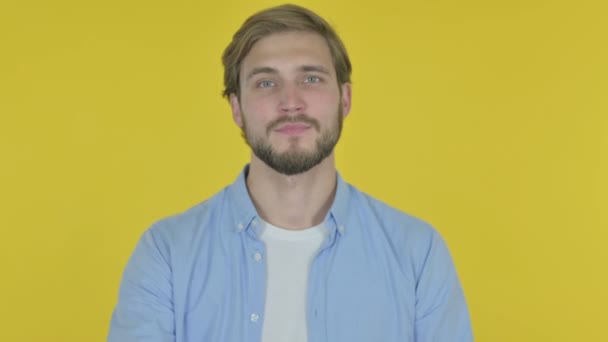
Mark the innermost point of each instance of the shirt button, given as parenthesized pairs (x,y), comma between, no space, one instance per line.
(254,317)
(257,256)
(240,226)
(254,223)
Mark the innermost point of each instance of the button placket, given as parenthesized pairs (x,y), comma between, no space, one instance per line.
(255,250)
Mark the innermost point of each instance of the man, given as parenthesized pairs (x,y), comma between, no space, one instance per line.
(290,252)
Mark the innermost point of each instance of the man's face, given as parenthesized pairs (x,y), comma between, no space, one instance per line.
(291,106)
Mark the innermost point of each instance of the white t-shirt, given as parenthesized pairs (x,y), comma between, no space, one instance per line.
(289,255)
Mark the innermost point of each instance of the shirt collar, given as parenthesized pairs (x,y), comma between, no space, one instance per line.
(245,216)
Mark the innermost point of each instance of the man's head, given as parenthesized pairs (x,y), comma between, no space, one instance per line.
(287,76)
(280,19)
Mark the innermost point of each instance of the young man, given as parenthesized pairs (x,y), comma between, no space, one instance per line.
(290,252)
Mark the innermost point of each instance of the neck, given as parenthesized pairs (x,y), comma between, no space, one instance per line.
(292,202)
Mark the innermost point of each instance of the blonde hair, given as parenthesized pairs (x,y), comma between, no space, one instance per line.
(278,19)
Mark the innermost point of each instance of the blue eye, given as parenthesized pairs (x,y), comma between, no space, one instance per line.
(312,79)
(265,84)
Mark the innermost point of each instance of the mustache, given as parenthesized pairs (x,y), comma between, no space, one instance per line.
(293,119)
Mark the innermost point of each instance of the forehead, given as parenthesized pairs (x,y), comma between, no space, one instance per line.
(287,51)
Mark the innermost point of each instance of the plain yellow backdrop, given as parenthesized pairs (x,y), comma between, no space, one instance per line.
(488,119)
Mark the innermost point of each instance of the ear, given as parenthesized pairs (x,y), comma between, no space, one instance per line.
(235,105)
(346,89)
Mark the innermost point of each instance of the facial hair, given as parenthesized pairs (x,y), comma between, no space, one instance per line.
(295,160)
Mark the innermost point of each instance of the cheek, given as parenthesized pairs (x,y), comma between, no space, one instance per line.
(323,103)
(257,114)
(258,105)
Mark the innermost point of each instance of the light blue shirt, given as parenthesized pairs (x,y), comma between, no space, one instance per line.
(381,275)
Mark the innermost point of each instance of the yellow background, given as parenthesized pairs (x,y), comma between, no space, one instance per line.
(487,118)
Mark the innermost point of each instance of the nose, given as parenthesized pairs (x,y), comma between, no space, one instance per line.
(291,100)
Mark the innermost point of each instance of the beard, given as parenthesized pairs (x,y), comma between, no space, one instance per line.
(295,160)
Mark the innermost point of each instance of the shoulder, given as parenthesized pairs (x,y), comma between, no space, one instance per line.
(402,234)
(408,235)
(184,226)
(395,220)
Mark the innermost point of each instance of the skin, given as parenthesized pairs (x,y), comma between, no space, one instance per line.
(290,74)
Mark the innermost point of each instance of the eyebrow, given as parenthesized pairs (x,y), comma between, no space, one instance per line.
(261,70)
(303,68)
(316,68)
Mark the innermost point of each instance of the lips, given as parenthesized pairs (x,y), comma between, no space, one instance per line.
(293,125)
(293,128)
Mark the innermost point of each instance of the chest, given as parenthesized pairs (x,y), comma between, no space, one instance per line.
(352,293)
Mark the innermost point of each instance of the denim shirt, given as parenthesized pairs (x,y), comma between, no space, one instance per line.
(381,275)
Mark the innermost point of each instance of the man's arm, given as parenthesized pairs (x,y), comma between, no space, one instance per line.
(441,309)
(145,302)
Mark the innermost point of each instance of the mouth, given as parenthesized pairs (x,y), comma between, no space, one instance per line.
(293,128)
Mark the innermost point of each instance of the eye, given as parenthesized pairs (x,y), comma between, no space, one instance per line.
(265,84)
(312,79)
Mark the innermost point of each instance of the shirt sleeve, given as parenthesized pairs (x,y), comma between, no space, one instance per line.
(145,305)
(441,309)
